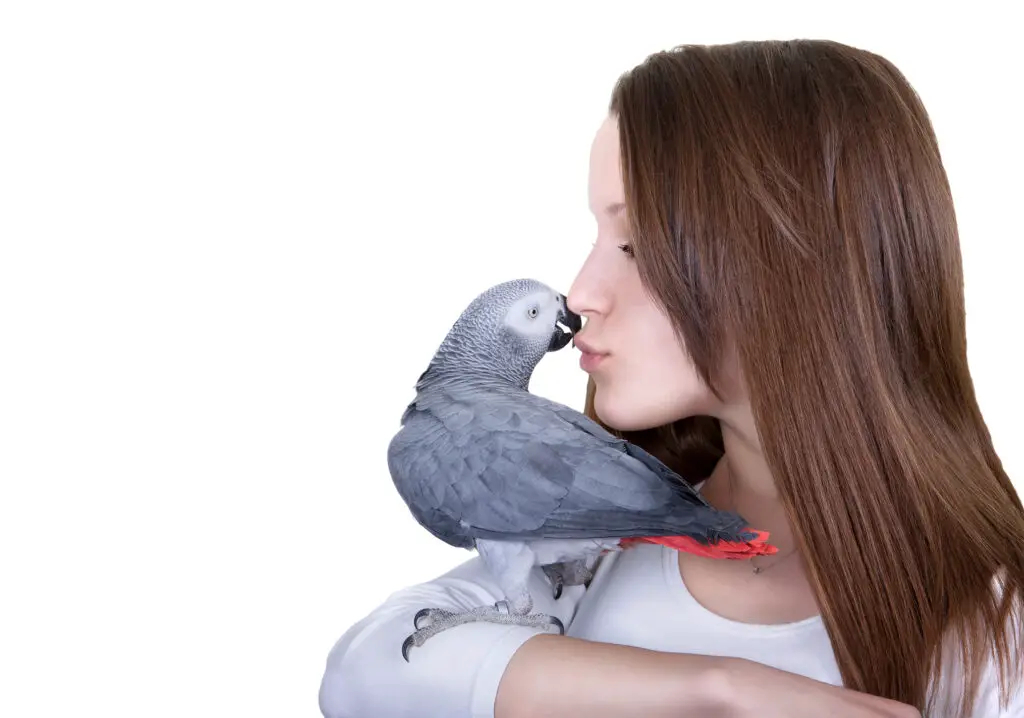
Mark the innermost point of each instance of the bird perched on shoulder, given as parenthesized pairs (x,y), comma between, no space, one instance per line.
(484,464)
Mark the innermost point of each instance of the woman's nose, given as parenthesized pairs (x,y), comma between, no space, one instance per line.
(588,293)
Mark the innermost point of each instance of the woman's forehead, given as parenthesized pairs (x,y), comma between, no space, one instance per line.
(606,196)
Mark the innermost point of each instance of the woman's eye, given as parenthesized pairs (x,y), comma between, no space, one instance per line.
(627,249)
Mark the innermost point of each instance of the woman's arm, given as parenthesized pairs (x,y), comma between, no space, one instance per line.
(565,677)
(553,676)
(754,690)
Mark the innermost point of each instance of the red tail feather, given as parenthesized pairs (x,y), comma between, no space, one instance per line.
(722,549)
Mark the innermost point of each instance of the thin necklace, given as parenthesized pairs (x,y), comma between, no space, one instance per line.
(756,570)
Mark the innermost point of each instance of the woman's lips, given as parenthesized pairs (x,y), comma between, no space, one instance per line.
(590,357)
(589,362)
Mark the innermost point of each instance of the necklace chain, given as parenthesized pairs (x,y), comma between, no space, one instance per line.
(756,570)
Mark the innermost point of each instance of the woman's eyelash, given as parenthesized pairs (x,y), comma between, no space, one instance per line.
(627,249)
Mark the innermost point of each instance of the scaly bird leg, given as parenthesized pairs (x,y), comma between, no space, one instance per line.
(567,573)
(502,612)
(510,563)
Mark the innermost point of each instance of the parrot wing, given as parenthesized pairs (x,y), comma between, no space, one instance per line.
(506,465)
(588,425)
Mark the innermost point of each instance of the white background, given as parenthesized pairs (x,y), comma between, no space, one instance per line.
(232,236)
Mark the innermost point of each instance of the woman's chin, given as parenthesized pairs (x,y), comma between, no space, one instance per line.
(619,415)
(623,412)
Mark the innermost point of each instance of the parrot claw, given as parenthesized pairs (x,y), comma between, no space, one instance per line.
(431,621)
(420,615)
(568,573)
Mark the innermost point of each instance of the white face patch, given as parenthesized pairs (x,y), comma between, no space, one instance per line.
(534,315)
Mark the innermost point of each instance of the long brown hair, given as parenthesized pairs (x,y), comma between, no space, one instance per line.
(789,199)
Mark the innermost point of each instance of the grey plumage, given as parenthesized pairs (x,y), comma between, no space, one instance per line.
(475,460)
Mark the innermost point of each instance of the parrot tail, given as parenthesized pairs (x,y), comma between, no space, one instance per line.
(758,546)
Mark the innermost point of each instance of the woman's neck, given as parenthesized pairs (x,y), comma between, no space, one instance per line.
(741,483)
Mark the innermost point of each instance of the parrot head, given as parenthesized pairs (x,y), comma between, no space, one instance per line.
(505,332)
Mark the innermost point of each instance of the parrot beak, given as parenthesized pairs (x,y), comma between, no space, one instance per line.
(566,327)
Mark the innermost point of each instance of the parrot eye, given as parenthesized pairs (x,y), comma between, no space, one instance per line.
(532,312)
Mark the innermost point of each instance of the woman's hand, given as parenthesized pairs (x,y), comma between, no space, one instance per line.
(753,690)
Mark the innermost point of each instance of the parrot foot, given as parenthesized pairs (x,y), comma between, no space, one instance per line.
(439,620)
(567,573)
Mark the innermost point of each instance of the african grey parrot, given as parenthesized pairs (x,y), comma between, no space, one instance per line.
(483,463)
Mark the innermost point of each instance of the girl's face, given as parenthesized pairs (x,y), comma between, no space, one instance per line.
(641,370)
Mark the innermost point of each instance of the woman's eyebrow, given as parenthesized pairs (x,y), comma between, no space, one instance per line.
(614,209)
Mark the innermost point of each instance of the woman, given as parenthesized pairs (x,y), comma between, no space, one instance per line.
(774,307)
